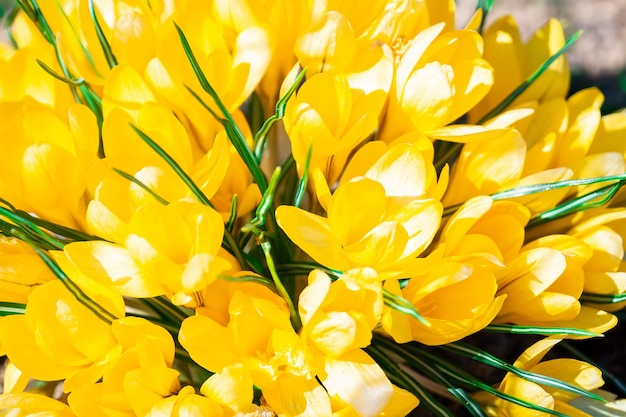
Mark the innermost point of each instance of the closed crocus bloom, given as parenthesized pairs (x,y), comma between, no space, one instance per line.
(604,271)
(340,316)
(540,288)
(438,78)
(454,299)
(44,167)
(487,166)
(485,232)
(575,372)
(325,117)
(58,338)
(21,270)
(514,61)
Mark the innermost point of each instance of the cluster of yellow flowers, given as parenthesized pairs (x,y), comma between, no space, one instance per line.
(156,233)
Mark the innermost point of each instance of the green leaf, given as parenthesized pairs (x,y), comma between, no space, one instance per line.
(104,43)
(71,286)
(31,8)
(195,190)
(261,136)
(9,309)
(479,355)
(232,213)
(293,312)
(141,185)
(486,6)
(400,304)
(603,298)
(234,134)
(536,330)
(587,201)
(256,279)
(304,180)
(30,231)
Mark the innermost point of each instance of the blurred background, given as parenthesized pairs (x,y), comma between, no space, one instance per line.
(597,59)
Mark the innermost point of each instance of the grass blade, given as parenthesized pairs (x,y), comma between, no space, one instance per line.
(234,134)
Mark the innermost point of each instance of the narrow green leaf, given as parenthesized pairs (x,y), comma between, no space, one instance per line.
(543,331)
(83,48)
(479,355)
(400,304)
(304,268)
(32,10)
(195,190)
(53,73)
(538,188)
(400,378)
(486,6)
(428,369)
(71,286)
(256,279)
(141,185)
(295,317)
(232,213)
(304,180)
(9,309)
(28,228)
(268,197)
(104,43)
(603,298)
(588,201)
(233,131)
(261,136)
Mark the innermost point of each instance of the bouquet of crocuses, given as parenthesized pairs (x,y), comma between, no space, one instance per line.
(299,208)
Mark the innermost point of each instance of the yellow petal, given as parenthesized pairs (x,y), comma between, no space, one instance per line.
(356,379)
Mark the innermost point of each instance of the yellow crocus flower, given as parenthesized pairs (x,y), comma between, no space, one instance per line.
(438,78)
(514,61)
(575,372)
(454,299)
(26,404)
(171,250)
(381,219)
(259,337)
(135,381)
(327,118)
(340,316)
(43,169)
(59,338)
(21,270)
